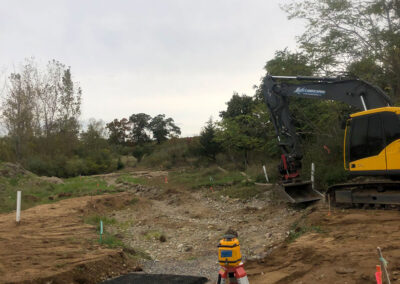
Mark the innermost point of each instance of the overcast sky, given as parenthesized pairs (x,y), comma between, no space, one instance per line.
(181,58)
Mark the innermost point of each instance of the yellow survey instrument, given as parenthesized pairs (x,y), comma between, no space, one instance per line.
(229,251)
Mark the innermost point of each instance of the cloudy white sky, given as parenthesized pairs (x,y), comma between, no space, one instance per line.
(182,58)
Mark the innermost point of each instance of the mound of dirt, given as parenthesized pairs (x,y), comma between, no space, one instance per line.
(107,203)
(10,170)
(340,248)
(53,180)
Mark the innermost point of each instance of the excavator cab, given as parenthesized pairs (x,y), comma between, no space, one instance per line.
(372,142)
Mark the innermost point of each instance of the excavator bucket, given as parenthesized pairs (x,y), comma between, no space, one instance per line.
(299,192)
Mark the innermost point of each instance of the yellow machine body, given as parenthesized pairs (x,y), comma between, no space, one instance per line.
(372,142)
(229,252)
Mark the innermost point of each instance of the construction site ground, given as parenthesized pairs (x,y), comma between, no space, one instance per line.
(172,230)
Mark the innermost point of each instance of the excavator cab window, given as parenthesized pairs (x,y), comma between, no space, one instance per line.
(391,124)
(366,137)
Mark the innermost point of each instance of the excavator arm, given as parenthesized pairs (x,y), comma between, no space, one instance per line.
(278,89)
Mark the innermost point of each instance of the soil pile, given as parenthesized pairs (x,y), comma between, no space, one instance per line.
(340,248)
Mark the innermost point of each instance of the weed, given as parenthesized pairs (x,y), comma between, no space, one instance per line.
(133,201)
(112,241)
(95,220)
(299,231)
(155,235)
(125,225)
(299,228)
(137,254)
(14,181)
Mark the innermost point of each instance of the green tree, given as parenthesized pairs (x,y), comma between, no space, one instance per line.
(286,63)
(94,137)
(118,131)
(238,105)
(162,128)
(140,150)
(244,126)
(239,134)
(140,122)
(341,32)
(18,112)
(208,145)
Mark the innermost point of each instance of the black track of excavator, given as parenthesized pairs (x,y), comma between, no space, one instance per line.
(378,192)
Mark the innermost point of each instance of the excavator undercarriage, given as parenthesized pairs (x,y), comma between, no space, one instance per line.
(384,193)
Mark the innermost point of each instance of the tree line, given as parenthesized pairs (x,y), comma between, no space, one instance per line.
(41,110)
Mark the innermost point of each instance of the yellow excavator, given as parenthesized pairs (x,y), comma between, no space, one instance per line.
(371,143)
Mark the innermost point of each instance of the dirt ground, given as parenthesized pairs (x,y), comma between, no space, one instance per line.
(342,251)
(179,230)
(52,243)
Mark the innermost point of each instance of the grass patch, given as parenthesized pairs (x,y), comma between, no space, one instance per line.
(133,201)
(125,225)
(242,192)
(37,191)
(111,241)
(228,183)
(95,220)
(155,235)
(131,179)
(137,254)
(206,177)
(81,186)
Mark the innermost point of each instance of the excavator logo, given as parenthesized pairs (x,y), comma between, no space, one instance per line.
(311,92)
